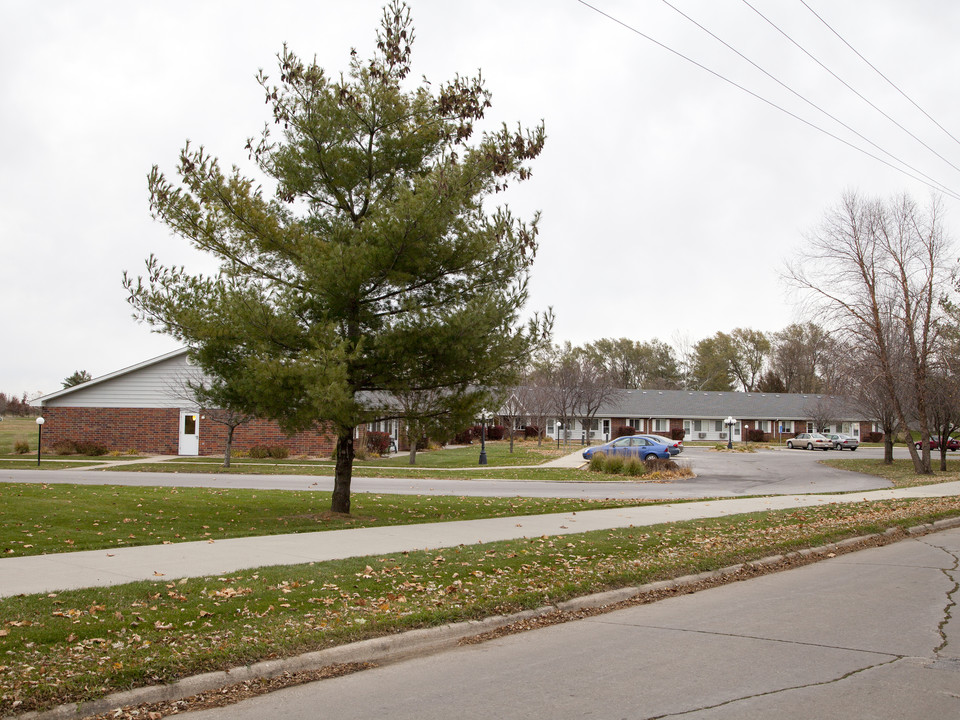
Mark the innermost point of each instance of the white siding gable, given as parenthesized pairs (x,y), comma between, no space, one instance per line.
(158,383)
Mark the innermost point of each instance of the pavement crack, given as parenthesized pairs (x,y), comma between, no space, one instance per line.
(951,575)
(761,638)
(776,692)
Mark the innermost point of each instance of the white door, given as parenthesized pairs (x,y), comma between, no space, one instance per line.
(189,432)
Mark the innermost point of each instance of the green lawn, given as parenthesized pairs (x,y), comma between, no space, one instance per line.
(39,518)
(901,472)
(45,464)
(75,645)
(13,429)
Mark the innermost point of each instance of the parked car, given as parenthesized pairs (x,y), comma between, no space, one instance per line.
(952,444)
(631,446)
(810,441)
(842,442)
(675,446)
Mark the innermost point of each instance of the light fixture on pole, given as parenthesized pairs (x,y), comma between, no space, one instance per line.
(483,437)
(40,422)
(730,422)
(559,428)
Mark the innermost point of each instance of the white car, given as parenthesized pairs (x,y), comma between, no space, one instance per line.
(810,441)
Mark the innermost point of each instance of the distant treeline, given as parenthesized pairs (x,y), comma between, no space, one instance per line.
(12,405)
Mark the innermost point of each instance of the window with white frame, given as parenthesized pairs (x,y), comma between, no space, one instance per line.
(697,425)
(661,425)
(718,425)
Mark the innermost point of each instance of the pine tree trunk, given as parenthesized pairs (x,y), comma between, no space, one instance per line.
(344,472)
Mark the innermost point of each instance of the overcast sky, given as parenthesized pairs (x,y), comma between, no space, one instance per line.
(670,198)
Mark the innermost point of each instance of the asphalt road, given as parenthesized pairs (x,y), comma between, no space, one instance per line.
(766,472)
(864,635)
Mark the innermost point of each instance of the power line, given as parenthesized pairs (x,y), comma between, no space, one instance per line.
(847,85)
(891,83)
(763,99)
(809,102)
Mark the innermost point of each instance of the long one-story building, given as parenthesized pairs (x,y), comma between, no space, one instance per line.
(148,408)
(701,415)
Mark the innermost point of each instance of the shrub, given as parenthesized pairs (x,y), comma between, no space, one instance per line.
(378,443)
(278,452)
(531,431)
(873,437)
(613,465)
(359,453)
(655,464)
(597,461)
(464,437)
(88,447)
(21,447)
(677,433)
(64,447)
(622,431)
(496,432)
(634,467)
(755,435)
(259,452)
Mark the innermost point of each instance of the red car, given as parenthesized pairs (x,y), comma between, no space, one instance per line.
(952,444)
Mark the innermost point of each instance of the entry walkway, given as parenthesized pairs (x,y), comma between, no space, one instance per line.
(97,568)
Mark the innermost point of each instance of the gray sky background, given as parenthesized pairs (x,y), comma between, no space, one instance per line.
(670,198)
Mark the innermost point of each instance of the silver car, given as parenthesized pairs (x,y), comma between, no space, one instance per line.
(844,442)
(810,441)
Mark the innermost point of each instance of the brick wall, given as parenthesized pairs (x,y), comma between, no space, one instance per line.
(157,430)
(150,430)
(213,437)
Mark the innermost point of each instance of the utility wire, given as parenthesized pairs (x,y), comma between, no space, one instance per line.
(847,85)
(891,83)
(761,98)
(786,87)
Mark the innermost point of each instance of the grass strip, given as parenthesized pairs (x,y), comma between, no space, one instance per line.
(901,472)
(78,645)
(45,464)
(37,518)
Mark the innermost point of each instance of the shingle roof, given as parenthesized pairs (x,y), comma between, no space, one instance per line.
(742,406)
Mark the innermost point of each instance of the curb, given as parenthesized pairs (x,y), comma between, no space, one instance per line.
(414,643)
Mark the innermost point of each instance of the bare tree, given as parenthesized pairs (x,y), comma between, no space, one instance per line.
(876,271)
(219,398)
(595,387)
(536,396)
(823,411)
(944,407)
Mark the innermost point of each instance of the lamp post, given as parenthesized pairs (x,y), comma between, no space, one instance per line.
(559,429)
(730,422)
(483,437)
(40,422)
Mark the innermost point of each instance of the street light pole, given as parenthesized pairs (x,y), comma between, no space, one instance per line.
(40,422)
(730,422)
(483,438)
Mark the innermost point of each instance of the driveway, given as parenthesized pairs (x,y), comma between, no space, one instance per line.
(718,474)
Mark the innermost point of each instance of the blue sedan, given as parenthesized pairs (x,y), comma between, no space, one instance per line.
(639,446)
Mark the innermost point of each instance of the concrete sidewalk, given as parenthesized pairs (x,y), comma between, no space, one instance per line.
(96,568)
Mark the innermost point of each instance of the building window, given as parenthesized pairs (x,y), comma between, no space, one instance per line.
(718,425)
(551,424)
(697,425)
(660,425)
